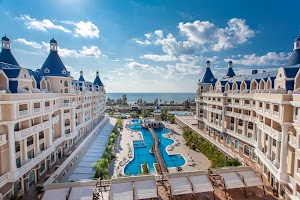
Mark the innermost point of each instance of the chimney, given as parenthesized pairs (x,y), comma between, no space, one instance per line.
(254,71)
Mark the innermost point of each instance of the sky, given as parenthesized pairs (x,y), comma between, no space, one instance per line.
(152,46)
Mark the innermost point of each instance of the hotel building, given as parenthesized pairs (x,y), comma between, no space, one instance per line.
(45,118)
(255,119)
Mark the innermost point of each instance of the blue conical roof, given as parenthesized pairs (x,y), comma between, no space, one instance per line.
(208,77)
(230,73)
(54,65)
(81,78)
(7,57)
(97,80)
(294,59)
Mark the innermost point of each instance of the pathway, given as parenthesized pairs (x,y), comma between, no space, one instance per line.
(83,167)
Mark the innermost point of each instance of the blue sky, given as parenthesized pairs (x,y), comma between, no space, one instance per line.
(152,46)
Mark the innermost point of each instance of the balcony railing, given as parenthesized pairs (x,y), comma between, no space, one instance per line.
(3,139)
(270,131)
(36,110)
(19,135)
(3,180)
(47,107)
(298,194)
(295,117)
(267,110)
(23,113)
(276,113)
(291,182)
(268,163)
(292,141)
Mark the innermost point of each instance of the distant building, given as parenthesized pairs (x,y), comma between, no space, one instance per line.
(44,114)
(256,119)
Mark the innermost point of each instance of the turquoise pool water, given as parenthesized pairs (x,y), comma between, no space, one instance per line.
(142,154)
(136,121)
(179,113)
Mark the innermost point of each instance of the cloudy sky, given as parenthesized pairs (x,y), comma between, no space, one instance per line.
(152,46)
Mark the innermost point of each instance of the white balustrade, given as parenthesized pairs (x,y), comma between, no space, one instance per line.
(23,113)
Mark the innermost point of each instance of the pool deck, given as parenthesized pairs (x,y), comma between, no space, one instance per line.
(125,141)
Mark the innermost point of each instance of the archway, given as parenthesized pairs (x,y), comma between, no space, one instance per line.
(236,145)
(246,150)
(31,178)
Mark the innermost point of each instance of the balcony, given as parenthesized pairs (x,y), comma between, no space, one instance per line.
(267,110)
(270,131)
(291,182)
(3,139)
(23,113)
(3,179)
(276,113)
(295,117)
(47,108)
(250,141)
(54,119)
(292,141)
(71,135)
(36,110)
(19,135)
(297,194)
(67,104)
(268,163)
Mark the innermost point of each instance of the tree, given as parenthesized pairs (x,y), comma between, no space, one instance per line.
(187,104)
(124,99)
(171,102)
(171,118)
(119,101)
(101,168)
(156,102)
(164,114)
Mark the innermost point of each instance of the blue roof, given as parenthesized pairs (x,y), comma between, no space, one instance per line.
(292,71)
(7,57)
(36,77)
(208,77)
(53,41)
(13,86)
(97,81)
(294,59)
(81,77)
(55,65)
(289,85)
(5,38)
(251,77)
(230,73)
(12,73)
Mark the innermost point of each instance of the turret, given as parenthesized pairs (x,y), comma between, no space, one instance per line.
(230,73)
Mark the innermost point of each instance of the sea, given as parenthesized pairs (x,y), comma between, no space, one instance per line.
(150,97)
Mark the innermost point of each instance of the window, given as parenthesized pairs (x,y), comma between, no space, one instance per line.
(52,157)
(42,166)
(42,146)
(64,71)
(228,141)
(18,162)
(17,147)
(47,70)
(25,76)
(246,150)
(274,143)
(60,81)
(41,135)
(250,125)
(236,144)
(29,141)
(30,154)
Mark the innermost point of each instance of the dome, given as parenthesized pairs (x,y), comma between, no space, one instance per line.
(230,62)
(53,41)
(5,38)
(208,61)
(297,39)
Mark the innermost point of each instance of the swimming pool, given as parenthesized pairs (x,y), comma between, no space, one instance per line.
(142,154)
(180,113)
(136,121)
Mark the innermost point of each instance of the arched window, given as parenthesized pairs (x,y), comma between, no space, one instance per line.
(228,141)
(246,150)
(25,76)
(66,83)
(236,144)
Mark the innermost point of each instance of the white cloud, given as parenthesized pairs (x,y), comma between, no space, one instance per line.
(269,59)
(148,35)
(43,25)
(132,74)
(159,33)
(29,43)
(92,51)
(86,29)
(159,57)
(205,32)
(81,28)
(146,42)
(138,66)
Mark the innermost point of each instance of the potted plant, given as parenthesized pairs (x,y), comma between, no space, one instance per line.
(274,191)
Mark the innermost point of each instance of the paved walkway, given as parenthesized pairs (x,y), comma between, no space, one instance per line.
(83,167)
(201,162)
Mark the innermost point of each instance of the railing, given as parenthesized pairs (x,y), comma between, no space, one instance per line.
(60,169)
(268,163)
(270,131)
(267,110)
(291,182)
(3,139)
(295,117)
(36,110)
(298,170)
(292,141)
(19,135)
(250,141)
(276,113)
(297,194)
(3,179)
(23,113)
(71,135)
(47,107)
(67,104)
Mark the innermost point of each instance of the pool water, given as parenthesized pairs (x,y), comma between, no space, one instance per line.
(142,154)
(136,121)
(139,143)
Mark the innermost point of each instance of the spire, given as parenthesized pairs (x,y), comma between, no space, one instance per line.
(230,73)
(81,78)
(6,56)
(97,80)
(208,64)
(208,76)
(53,45)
